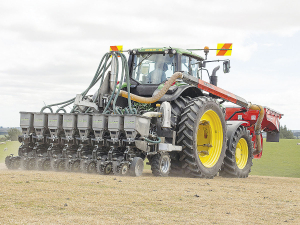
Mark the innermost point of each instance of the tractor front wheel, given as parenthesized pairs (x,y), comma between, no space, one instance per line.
(161,164)
(136,167)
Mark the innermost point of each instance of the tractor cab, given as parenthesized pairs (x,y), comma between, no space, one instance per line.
(151,67)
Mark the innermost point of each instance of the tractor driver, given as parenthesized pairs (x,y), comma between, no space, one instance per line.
(158,75)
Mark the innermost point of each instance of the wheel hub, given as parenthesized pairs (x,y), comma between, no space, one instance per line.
(92,167)
(241,153)
(124,169)
(108,169)
(165,165)
(209,138)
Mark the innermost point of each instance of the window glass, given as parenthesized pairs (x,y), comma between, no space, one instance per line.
(189,65)
(185,63)
(194,67)
(153,68)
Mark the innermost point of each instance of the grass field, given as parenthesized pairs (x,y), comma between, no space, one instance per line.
(278,160)
(12,148)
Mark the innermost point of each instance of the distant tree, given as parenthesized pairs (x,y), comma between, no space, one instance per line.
(285,133)
(13,134)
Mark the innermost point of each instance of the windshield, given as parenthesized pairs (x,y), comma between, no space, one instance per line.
(153,68)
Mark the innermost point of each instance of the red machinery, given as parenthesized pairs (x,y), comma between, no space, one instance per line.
(248,118)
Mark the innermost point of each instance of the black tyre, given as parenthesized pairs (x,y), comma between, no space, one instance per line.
(107,169)
(123,169)
(59,165)
(46,166)
(31,164)
(39,163)
(177,107)
(161,164)
(15,163)
(91,167)
(101,164)
(136,167)
(75,166)
(202,133)
(8,161)
(239,154)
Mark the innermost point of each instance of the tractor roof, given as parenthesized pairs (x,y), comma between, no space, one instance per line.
(178,50)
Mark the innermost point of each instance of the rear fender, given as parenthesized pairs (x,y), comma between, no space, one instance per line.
(185,90)
(232,126)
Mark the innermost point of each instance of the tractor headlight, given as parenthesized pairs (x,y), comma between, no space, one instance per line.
(134,51)
(166,51)
(174,51)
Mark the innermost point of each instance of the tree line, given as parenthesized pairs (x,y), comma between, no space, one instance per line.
(285,133)
(12,134)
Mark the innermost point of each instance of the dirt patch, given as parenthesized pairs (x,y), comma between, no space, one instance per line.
(74,198)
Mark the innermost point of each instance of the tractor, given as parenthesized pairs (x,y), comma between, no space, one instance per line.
(154,105)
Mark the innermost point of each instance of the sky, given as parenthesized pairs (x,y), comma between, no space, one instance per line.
(50,50)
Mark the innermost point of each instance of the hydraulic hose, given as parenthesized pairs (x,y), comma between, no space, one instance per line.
(99,73)
(154,142)
(158,96)
(258,126)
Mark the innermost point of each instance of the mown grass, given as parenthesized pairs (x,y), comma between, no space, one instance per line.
(278,160)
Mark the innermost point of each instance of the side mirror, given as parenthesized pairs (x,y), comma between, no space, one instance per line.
(226,66)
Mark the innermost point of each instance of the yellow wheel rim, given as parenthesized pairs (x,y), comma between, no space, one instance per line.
(241,153)
(209,138)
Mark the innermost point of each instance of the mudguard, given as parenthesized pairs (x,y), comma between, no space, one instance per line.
(232,126)
(184,90)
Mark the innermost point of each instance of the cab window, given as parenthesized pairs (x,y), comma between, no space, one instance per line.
(189,65)
(153,68)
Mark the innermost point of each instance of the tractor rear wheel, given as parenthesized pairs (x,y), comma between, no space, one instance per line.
(177,107)
(202,134)
(239,154)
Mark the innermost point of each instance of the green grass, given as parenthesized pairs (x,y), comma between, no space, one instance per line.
(279,159)
(12,148)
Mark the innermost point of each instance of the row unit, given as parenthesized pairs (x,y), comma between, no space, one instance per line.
(131,124)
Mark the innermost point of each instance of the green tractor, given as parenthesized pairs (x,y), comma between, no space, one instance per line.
(153,105)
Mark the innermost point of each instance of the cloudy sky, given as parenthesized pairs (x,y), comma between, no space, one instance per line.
(50,50)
